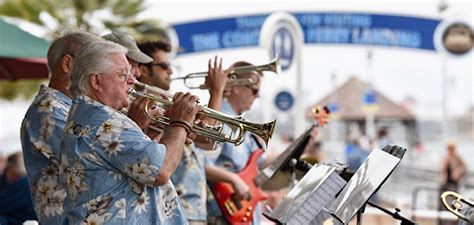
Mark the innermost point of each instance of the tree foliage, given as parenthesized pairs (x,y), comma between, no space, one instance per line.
(95,16)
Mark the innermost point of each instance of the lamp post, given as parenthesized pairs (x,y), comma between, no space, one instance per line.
(442,6)
(370,104)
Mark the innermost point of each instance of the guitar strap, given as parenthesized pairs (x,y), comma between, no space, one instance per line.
(259,144)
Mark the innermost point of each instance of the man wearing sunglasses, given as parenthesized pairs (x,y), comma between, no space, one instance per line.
(233,159)
(157,72)
(135,57)
(189,177)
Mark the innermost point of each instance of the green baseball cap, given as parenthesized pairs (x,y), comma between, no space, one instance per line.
(133,52)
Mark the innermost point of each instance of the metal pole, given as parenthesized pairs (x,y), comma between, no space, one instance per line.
(444,98)
(369,116)
(299,117)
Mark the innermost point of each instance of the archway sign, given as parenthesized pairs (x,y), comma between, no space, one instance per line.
(394,31)
(318,28)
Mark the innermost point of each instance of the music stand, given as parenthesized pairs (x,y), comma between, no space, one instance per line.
(365,182)
(294,151)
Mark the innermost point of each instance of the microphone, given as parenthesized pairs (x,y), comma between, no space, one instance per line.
(300,165)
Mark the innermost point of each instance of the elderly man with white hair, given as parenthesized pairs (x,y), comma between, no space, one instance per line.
(113,173)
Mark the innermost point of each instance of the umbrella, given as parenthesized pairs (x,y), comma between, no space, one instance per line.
(22,55)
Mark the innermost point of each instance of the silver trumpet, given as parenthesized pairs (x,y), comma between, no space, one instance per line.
(458,205)
(237,125)
(274,66)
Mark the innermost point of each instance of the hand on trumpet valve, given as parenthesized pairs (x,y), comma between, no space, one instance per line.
(135,112)
(155,128)
(184,108)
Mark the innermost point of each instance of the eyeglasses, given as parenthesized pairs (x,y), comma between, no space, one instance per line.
(125,74)
(162,65)
(255,91)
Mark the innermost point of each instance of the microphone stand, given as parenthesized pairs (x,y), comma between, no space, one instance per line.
(359,214)
(395,215)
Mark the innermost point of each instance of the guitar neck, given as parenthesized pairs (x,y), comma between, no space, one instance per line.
(281,162)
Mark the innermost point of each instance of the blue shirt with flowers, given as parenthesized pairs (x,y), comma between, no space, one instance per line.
(108,167)
(190,181)
(41,132)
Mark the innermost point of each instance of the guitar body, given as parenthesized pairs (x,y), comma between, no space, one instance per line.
(241,211)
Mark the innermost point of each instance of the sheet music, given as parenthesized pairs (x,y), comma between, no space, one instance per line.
(322,217)
(316,190)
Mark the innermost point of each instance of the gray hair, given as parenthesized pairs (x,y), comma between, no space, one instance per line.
(69,42)
(92,58)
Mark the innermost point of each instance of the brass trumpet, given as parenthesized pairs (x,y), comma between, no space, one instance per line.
(458,205)
(236,124)
(274,66)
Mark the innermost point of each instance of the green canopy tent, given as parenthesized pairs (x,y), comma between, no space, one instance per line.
(22,55)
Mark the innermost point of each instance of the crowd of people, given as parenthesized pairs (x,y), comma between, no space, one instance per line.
(93,157)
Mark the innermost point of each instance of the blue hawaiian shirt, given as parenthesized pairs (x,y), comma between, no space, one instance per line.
(108,167)
(234,158)
(41,132)
(190,181)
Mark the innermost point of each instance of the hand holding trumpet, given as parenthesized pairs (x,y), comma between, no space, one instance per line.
(217,77)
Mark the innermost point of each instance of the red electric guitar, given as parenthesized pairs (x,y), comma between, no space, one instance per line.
(238,209)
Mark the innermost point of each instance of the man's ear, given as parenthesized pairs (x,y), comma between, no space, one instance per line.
(143,70)
(66,63)
(95,82)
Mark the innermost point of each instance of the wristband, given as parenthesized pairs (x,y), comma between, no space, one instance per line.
(182,124)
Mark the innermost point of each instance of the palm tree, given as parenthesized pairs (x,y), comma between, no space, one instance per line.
(95,16)
(90,15)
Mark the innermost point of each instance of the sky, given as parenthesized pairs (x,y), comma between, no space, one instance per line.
(397,73)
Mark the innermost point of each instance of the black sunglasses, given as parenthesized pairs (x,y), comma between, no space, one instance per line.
(162,65)
(255,91)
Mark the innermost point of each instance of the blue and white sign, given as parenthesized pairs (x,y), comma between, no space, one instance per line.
(284,100)
(283,44)
(318,28)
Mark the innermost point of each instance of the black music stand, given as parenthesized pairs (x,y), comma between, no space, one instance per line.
(351,200)
(369,177)
(294,151)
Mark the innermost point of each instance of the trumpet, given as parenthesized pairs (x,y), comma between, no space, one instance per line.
(458,205)
(237,125)
(274,66)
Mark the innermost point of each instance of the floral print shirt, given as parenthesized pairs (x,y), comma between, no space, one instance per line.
(190,181)
(108,167)
(41,132)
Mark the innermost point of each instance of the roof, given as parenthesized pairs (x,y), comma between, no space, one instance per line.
(349,100)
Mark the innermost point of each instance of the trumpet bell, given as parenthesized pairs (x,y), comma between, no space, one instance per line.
(197,80)
(264,130)
(458,205)
(237,125)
